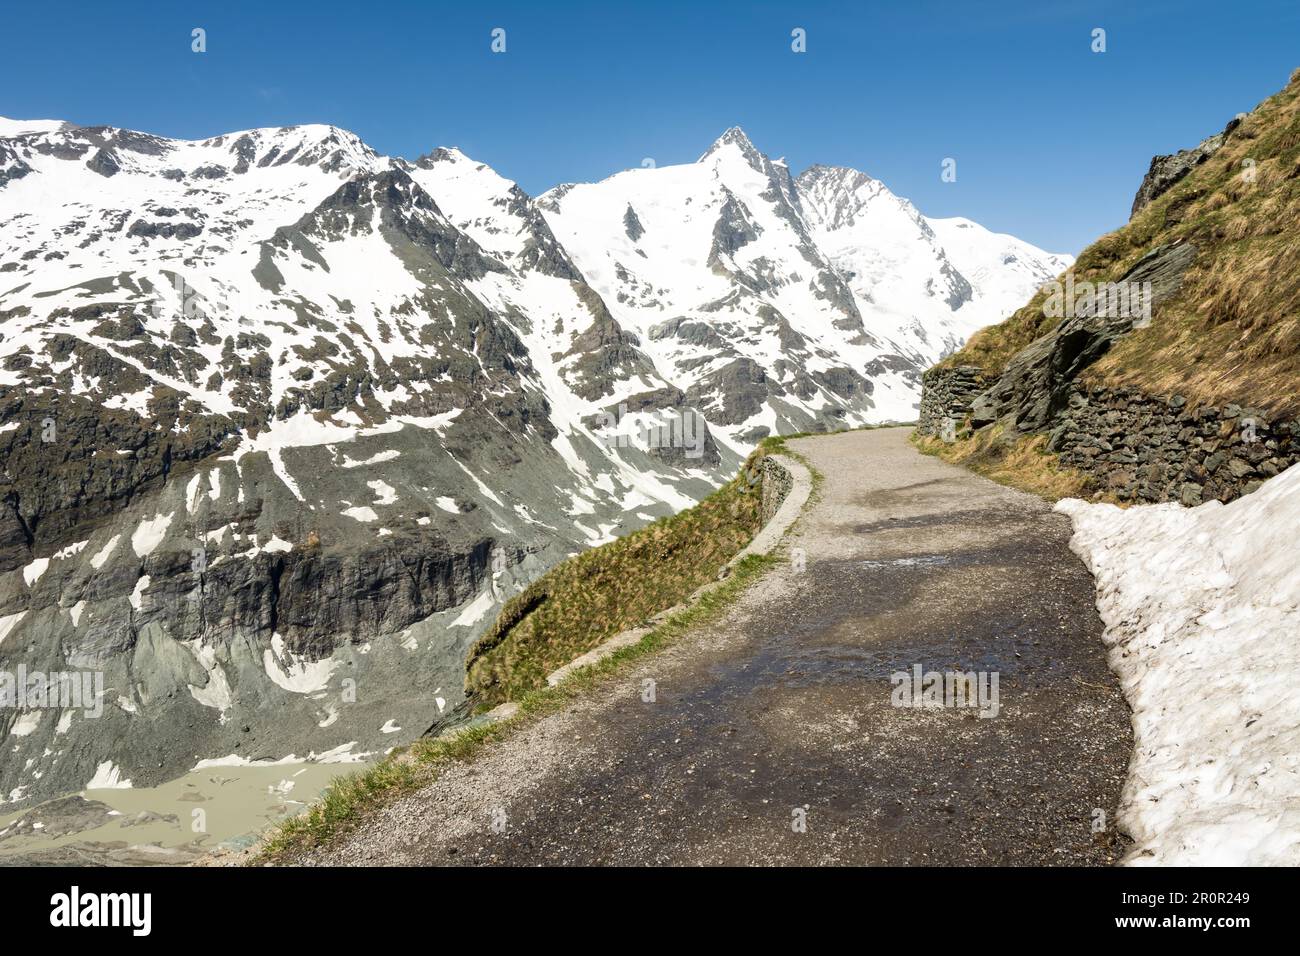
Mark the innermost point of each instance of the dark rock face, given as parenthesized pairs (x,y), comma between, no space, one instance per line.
(104,163)
(56,486)
(164,230)
(212,171)
(909,368)
(1149,449)
(12,166)
(843,382)
(320,599)
(734,392)
(603,353)
(1037,380)
(734,229)
(1166,171)
(632,225)
(678,435)
(695,333)
(245,148)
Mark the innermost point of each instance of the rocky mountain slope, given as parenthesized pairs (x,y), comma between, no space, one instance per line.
(1193,396)
(284,420)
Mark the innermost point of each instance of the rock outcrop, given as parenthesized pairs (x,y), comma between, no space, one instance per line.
(1166,171)
(1206,276)
(1036,383)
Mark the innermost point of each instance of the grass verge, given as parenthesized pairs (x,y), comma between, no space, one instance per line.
(1024,464)
(582,602)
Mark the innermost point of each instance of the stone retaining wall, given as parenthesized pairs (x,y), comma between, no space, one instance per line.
(946,395)
(1137,446)
(776,485)
(1148,449)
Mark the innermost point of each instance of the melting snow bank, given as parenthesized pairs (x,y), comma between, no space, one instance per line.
(1202,614)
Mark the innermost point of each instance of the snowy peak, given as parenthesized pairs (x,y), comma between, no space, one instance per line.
(734,157)
(735,139)
(107,150)
(10,128)
(329,148)
(499,215)
(443,154)
(835,196)
(881,242)
(732,260)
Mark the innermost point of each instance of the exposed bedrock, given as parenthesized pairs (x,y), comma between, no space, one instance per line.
(1166,172)
(1036,383)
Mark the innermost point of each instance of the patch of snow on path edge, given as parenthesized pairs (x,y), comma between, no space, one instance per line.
(1202,612)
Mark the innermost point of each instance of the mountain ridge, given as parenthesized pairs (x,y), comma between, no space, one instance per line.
(281,413)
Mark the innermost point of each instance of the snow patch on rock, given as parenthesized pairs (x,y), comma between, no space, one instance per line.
(149,534)
(108,777)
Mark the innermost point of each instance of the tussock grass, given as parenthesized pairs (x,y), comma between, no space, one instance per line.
(1024,463)
(594,595)
(1232,333)
(586,600)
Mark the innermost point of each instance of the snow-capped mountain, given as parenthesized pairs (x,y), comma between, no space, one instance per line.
(782,303)
(284,420)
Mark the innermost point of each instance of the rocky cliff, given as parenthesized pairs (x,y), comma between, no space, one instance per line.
(279,435)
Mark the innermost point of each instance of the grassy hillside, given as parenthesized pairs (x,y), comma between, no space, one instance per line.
(1232,333)
(596,594)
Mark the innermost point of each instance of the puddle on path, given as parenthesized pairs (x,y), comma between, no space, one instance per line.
(915,561)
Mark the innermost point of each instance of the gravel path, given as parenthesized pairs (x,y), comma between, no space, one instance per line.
(771,737)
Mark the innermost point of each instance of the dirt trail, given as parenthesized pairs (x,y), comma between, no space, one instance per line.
(772,737)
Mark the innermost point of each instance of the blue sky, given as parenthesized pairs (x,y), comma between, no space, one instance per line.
(1051,139)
